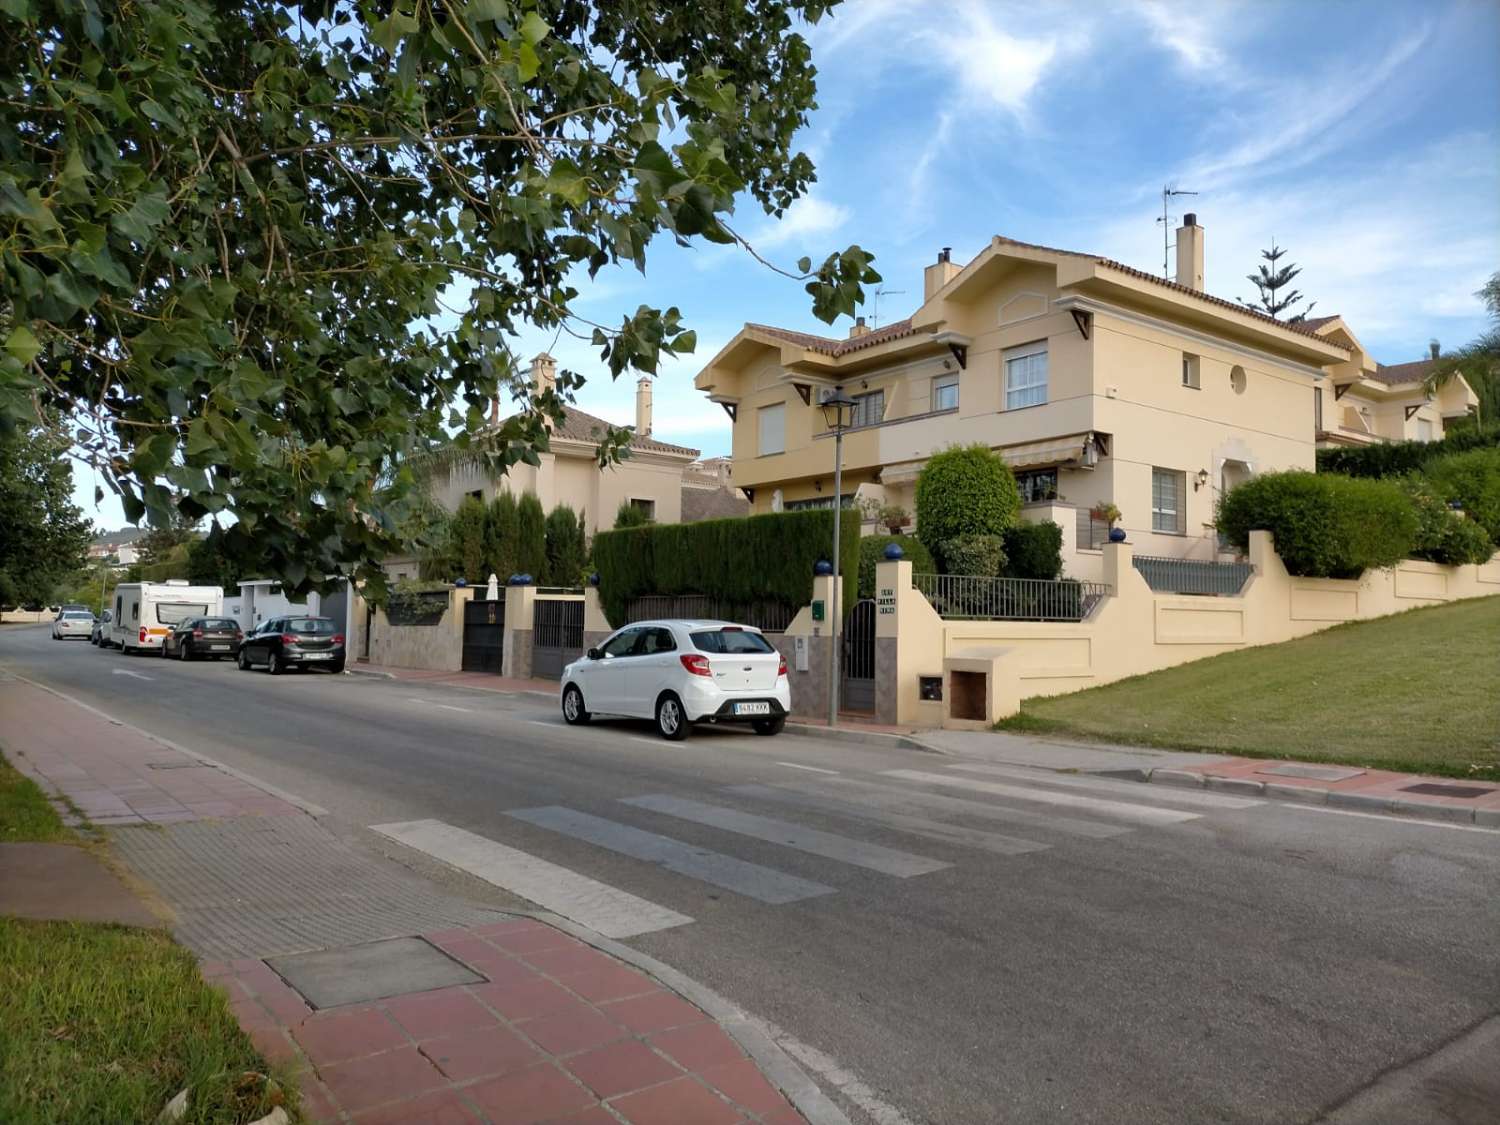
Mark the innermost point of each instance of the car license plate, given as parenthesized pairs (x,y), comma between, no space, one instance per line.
(318,656)
(752,708)
(219,648)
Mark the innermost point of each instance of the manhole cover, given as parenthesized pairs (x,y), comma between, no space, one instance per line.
(1316,773)
(357,973)
(1433,789)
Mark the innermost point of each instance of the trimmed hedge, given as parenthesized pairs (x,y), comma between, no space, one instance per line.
(962,491)
(1473,480)
(1444,536)
(756,558)
(1325,525)
(1397,458)
(978,555)
(1033,550)
(872,553)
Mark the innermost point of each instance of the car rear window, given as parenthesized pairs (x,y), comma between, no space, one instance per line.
(316,626)
(220,623)
(76,615)
(731,641)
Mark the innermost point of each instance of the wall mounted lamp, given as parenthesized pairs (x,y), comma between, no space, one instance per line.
(1201,480)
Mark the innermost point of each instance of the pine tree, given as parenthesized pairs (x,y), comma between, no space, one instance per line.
(1270,278)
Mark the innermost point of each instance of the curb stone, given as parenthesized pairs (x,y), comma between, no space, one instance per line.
(864,738)
(1186,778)
(1235,785)
(1298,794)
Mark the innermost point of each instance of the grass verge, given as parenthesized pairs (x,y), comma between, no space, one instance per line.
(25,813)
(106,1023)
(1414,692)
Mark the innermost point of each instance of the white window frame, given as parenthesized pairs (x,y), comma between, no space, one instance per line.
(776,411)
(940,384)
(1022,386)
(1192,371)
(1177,513)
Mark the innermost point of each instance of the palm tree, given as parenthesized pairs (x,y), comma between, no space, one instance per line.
(1478,361)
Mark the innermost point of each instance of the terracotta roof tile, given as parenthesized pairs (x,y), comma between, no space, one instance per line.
(579,425)
(1399,373)
(828,346)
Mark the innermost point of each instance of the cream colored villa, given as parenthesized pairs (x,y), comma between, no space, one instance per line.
(1097,382)
(651,478)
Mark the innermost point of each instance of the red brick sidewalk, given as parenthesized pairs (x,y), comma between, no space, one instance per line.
(559,1033)
(483,680)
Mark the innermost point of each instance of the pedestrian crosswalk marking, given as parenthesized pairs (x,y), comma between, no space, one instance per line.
(602,908)
(857,853)
(894,796)
(1139,814)
(915,825)
(1190,797)
(749,879)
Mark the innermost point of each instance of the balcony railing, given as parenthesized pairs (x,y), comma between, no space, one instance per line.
(1192,576)
(963,597)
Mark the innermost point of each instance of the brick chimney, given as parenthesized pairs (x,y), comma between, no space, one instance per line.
(1435,349)
(1190,253)
(643,406)
(543,373)
(858,328)
(939,273)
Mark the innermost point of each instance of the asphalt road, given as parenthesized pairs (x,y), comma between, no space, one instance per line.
(1086,954)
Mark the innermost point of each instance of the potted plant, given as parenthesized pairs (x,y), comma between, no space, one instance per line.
(1106,512)
(893,517)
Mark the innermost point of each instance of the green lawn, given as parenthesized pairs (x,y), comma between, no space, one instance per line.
(106,1023)
(1417,691)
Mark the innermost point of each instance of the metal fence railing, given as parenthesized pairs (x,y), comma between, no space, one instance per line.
(1192,576)
(768,617)
(966,597)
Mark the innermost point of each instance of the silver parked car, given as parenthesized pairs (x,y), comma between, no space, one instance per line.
(73,623)
(100,635)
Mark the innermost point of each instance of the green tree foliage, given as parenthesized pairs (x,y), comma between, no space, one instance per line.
(531,537)
(501,532)
(980,555)
(208,564)
(43,535)
(1397,458)
(1270,278)
(964,490)
(165,544)
(225,229)
(1479,361)
(1472,480)
(1443,535)
(739,561)
(567,547)
(628,515)
(1325,525)
(466,541)
(872,553)
(1033,550)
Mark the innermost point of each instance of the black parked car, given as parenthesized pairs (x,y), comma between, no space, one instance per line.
(294,642)
(215,637)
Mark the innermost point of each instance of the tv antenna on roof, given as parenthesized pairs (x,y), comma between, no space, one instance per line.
(1167,192)
(875,304)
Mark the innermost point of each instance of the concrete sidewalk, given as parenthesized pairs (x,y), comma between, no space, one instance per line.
(485,681)
(1356,788)
(390,998)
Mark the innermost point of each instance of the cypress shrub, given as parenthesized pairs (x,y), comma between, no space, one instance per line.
(1473,480)
(502,530)
(756,558)
(628,515)
(565,547)
(1033,550)
(872,553)
(466,541)
(531,536)
(1444,536)
(1325,525)
(964,490)
(1397,458)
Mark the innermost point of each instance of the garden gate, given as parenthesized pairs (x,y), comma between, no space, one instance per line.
(556,637)
(857,688)
(484,636)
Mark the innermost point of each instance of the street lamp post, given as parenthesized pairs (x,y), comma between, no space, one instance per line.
(838,413)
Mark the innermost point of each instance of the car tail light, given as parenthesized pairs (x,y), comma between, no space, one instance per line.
(143,636)
(197,632)
(697,665)
(338,638)
(781,667)
(289,638)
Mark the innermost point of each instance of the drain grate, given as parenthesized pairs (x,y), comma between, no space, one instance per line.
(1433,789)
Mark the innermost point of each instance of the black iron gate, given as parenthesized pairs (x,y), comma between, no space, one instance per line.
(556,637)
(484,636)
(857,689)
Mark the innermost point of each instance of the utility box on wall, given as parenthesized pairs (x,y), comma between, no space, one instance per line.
(799,653)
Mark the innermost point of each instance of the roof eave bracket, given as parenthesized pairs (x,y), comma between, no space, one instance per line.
(960,353)
(1084,320)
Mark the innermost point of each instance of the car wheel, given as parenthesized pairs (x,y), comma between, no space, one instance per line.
(671,720)
(243,660)
(162,652)
(337,668)
(274,664)
(769,726)
(574,713)
(183,652)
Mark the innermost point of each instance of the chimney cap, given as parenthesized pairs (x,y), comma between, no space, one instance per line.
(1190,219)
(945,253)
(859,320)
(1435,349)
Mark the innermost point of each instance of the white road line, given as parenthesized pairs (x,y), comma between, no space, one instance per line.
(1390,818)
(809,769)
(1169,795)
(899,798)
(856,853)
(444,706)
(605,909)
(914,825)
(1140,814)
(137,675)
(749,879)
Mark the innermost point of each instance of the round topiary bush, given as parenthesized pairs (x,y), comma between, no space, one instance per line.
(1325,525)
(872,552)
(963,491)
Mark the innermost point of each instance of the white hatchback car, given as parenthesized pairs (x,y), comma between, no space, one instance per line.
(680,673)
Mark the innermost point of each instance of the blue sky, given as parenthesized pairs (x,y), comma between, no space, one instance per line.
(1363,136)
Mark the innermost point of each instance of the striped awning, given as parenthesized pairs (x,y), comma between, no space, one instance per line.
(1053,451)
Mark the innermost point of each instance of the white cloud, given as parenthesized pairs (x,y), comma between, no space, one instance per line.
(808,218)
(1191,33)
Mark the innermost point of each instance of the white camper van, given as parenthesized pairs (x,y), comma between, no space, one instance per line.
(146,611)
